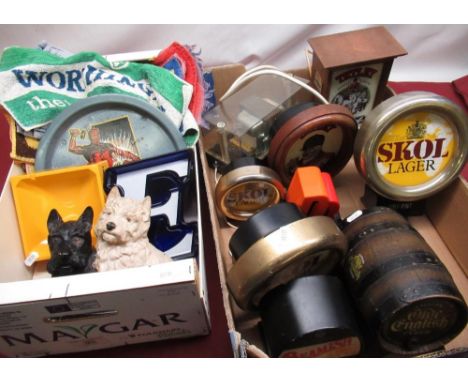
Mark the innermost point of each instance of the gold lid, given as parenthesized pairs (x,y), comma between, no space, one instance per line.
(246,190)
(309,246)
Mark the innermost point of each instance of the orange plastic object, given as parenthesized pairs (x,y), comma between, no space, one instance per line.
(307,191)
(69,190)
(333,201)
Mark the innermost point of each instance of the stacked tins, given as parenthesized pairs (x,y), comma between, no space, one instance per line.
(283,262)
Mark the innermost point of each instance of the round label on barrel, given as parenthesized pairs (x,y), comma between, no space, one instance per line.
(416,149)
(422,323)
(355,264)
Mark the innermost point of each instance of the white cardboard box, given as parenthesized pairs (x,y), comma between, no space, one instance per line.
(96,310)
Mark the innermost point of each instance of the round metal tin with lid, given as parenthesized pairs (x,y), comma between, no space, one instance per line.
(278,245)
(246,188)
(306,135)
(412,145)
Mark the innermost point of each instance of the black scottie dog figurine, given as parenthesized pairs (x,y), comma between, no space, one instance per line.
(70,244)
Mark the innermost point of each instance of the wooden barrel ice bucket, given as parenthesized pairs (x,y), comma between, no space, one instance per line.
(404,292)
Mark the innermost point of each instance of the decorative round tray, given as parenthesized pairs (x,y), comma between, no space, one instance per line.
(319,136)
(116,128)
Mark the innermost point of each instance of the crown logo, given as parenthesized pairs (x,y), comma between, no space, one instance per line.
(416,130)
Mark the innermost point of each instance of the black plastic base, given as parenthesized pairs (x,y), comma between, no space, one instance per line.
(414,208)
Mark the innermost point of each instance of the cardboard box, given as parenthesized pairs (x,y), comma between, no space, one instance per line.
(443,227)
(95,310)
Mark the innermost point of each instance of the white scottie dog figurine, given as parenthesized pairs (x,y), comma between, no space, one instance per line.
(121,232)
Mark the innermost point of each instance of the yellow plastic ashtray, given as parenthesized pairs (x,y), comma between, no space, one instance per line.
(69,190)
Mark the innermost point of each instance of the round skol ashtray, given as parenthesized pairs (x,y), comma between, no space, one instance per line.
(310,317)
(412,145)
(307,135)
(278,245)
(246,188)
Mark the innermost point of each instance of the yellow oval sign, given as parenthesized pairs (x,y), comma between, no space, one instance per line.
(416,149)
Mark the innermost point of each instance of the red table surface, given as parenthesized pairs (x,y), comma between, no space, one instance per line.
(217,343)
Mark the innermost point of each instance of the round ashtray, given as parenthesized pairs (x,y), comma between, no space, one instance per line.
(115,128)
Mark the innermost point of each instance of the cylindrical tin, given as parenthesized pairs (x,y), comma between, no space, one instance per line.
(270,254)
(246,188)
(309,317)
(321,136)
(401,288)
(412,145)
